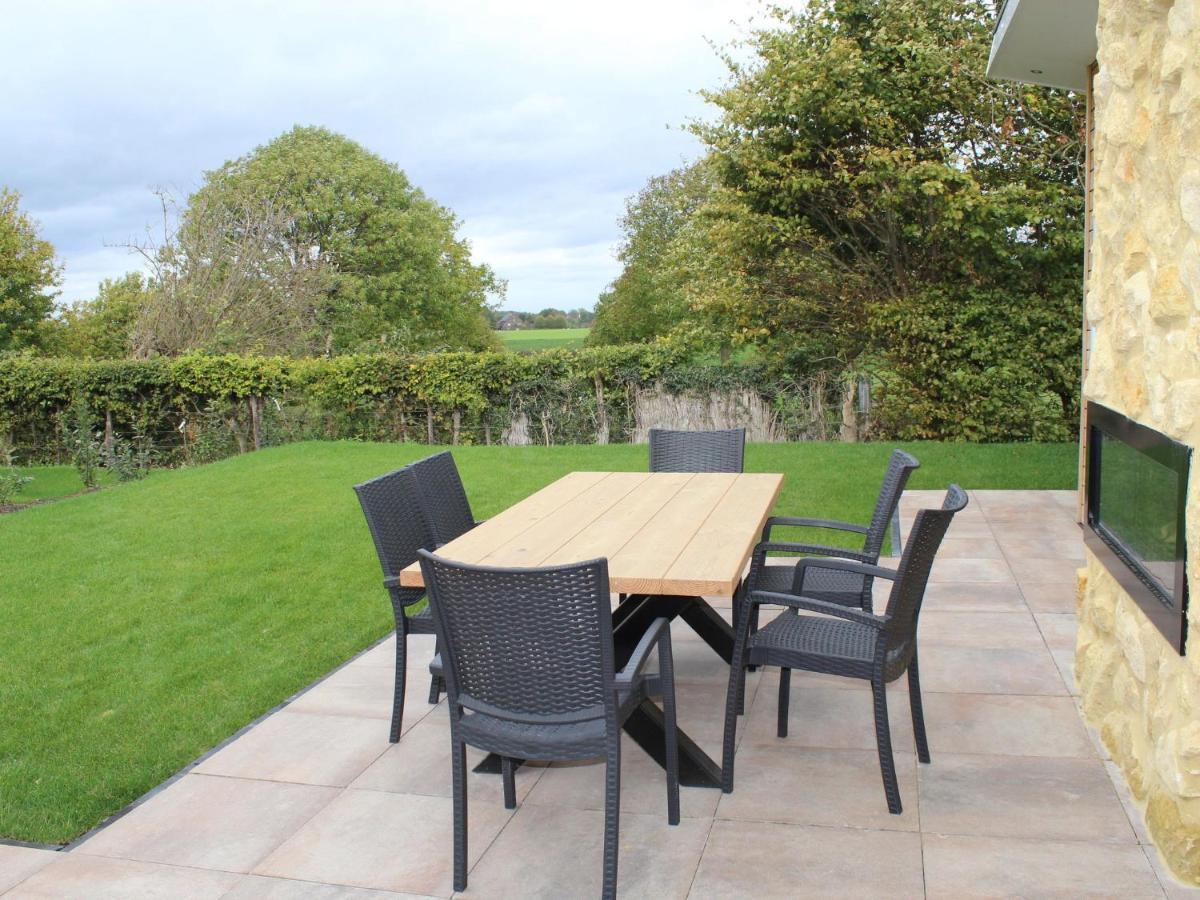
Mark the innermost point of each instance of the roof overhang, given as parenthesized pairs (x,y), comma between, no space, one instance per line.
(1049,42)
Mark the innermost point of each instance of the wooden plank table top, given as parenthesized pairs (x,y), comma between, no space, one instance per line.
(684,534)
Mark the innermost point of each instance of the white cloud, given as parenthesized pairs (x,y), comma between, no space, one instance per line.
(531,119)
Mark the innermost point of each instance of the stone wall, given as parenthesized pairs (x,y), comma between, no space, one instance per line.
(1144,302)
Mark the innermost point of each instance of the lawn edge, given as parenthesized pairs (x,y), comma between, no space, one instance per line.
(184,770)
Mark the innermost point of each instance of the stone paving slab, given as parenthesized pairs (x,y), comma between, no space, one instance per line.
(1019,798)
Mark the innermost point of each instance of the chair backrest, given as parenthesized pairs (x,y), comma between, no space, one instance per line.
(904,604)
(443,498)
(394,515)
(900,466)
(697,451)
(524,645)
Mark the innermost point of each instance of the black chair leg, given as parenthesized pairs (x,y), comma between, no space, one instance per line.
(458,755)
(612,814)
(666,668)
(401,679)
(508,774)
(436,683)
(785,699)
(754,627)
(918,712)
(735,697)
(883,737)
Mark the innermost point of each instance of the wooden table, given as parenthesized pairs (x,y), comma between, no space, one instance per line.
(670,539)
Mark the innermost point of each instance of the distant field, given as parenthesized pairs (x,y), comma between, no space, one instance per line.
(542,338)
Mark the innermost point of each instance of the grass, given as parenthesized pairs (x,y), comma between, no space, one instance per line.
(528,339)
(144,623)
(50,482)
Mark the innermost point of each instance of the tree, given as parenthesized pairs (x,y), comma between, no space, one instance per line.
(648,299)
(400,276)
(28,273)
(103,328)
(224,282)
(878,195)
(551,318)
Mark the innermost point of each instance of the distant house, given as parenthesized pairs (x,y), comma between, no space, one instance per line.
(509,322)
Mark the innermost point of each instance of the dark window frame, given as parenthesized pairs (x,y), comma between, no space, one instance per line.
(1167,612)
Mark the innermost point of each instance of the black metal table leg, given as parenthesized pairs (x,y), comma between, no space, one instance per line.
(696,768)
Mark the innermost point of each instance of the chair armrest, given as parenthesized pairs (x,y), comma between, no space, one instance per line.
(393,586)
(849,613)
(838,565)
(798,549)
(641,653)
(764,547)
(803,522)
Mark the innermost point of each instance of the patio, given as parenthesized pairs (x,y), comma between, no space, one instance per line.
(1019,799)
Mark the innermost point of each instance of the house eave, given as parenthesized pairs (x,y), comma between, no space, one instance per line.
(1047,42)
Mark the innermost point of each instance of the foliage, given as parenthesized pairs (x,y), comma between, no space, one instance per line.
(11,480)
(878,208)
(129,459)
(103,328)
(649,297)
(87,452)
(172,650)
(28,273)
(197,408)
(225,281)
(399,276)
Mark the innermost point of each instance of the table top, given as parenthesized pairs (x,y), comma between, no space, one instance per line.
(685,534)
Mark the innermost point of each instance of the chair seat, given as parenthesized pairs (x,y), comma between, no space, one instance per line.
(520,740)
(844,588)
(817,644)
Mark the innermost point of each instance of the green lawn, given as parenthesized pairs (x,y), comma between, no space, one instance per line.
(542,338)
(144,623)
(52,481)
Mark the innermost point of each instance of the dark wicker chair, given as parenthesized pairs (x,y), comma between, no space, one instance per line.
(394,515)
(697,451)
(443,498)
(847,641)
(846,588)
(529,665)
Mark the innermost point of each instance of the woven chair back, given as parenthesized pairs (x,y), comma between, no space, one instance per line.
(697,451)
(525,645)
(443,497)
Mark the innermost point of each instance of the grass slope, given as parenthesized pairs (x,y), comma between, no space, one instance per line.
(53,481)
(529,339)
(144,623)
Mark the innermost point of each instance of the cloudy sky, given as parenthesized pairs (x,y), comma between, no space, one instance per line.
(533,121)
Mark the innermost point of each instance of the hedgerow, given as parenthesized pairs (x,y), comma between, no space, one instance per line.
(203,407)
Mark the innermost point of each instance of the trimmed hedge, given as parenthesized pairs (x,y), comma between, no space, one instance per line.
(200,407)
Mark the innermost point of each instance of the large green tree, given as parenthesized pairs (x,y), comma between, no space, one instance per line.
(876,206)
(104,327)
(401,276)
(884,199)
(649,299)
(28,275)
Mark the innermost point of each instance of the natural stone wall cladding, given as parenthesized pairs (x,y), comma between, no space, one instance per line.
(1144,302)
